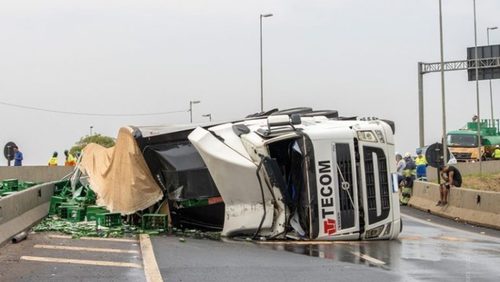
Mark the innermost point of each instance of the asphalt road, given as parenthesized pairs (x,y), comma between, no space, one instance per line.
(42,257)
(430,248)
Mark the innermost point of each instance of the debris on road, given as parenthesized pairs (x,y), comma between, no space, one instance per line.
(76,214)
(11,186)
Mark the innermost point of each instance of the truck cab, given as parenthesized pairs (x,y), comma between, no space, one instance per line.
(463,143)
(302,176)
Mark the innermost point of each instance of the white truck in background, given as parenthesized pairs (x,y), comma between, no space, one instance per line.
(296,174)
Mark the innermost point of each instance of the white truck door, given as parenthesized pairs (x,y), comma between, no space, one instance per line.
(238,183)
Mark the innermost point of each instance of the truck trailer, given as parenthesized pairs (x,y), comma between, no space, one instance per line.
(290,174)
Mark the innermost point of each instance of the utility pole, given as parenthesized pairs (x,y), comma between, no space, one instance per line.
(477,94)
(443,104)
(261,68)
(493,123)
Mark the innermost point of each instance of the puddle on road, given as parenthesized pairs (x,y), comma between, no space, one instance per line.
(357,252)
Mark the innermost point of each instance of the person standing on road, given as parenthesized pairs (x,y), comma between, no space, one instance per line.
(53,160)
(452,178)
(18,157)
(400,164)
(496,153)
(409,170)
(421,164)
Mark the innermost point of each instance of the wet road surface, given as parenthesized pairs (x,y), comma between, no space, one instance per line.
(430,248)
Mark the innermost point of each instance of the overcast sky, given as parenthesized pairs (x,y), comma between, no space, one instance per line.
(131,57)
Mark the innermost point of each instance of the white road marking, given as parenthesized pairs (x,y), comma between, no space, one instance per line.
(96,238)
(72,248)
(368,258)
(82,261)
(151,270)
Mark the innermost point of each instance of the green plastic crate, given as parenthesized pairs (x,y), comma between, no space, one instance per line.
(10,184)
(26,184)
(61,185)
(108,219)
(55,202)
(64,211)
(7,193)
(155,222)
(92,211)
(76,214)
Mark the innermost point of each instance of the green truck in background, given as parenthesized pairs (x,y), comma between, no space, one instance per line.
(463,143)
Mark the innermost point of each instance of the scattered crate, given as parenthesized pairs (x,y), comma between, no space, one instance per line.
(64,210)
(158,222)
(6,193)
(75,213)
(10,184)
(25,184)
(92,211)
(108,219)
(55,202)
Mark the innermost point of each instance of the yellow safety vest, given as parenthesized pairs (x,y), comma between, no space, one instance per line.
(496,154)
(53,161)
(420,161)
(70,160)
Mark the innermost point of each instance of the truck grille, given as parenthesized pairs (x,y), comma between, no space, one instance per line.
(370,184)
(345,177)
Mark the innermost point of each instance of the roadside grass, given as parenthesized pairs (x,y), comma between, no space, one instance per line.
(485,182)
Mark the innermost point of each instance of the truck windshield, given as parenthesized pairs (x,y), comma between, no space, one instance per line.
(290,155)
(462,140)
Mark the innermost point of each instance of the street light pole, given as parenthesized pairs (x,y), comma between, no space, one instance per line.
(443,102)
(491,92)
(91,129)
(261,68)
(477,93)
(209,116)
(191,110)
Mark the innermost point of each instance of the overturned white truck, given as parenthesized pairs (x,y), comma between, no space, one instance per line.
(296,173)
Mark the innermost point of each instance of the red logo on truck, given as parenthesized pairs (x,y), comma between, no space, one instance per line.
(329,226)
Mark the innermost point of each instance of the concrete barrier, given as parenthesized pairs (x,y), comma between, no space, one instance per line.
(472,206)
(21,210)
(35,173)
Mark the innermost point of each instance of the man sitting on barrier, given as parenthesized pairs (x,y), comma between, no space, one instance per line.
(451,177)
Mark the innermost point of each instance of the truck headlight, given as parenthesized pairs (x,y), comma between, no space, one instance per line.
(375,232)
(367,135)
(380,136)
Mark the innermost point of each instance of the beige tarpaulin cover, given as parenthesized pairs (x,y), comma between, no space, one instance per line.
(119,175)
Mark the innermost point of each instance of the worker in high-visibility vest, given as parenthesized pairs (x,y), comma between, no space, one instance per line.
(496,153)
(70,160)
(53,160)
(421,164)
(408,178)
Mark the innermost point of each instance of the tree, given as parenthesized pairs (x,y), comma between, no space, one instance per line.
(102,140)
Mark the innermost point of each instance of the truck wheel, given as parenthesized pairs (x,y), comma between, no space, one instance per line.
(400,225)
